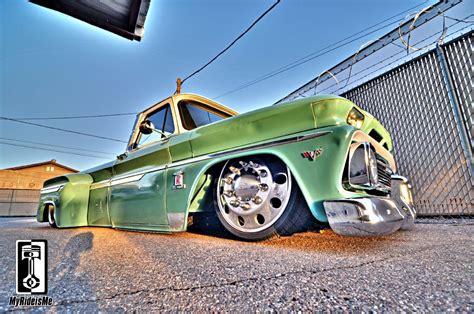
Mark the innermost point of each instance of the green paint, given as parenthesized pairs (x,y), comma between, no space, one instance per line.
(151,202)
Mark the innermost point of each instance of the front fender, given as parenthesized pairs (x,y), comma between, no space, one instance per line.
(318,179)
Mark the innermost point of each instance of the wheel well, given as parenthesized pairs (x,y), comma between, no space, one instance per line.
(218,166)
(247,191)
(214,170)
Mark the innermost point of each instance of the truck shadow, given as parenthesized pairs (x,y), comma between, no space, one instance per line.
(66,273)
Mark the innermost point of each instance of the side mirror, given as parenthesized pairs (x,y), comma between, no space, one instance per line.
(147,127)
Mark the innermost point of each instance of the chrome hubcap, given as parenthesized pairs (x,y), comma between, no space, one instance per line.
(50,214)
(250,197)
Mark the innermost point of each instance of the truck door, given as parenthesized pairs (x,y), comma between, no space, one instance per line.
(98,211)
(137,189)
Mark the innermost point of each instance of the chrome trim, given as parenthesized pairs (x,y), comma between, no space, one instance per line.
(188,161)
(370,185)
(100,184)
(360,136)
(398,177)
(127,179)
(369,216)
(406,206)
(50,189)
(142,173)
(384,173)
(293,139)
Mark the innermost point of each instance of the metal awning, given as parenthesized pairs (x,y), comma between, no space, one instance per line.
(122,17)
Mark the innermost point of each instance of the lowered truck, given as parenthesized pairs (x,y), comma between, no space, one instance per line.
(272,171)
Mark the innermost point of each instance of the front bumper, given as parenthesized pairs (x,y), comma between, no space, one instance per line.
(371,216)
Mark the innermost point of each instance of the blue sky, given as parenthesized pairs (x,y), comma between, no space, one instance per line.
(54,65)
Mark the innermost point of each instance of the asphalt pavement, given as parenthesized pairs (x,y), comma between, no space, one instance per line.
(429,268)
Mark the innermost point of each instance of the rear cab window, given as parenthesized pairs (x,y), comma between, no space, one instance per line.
(194,114)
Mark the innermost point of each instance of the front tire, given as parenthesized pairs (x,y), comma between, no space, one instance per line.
(256,198)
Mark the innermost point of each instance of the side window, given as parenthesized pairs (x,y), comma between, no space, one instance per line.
(194,115)
(162,119)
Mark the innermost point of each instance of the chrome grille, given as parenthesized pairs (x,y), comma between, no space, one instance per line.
(384,173)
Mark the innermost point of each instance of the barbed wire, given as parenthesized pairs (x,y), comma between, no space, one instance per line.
(320,52)
(379,82)
(390,57)
(383,61)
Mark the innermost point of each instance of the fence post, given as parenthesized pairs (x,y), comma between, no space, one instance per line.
(453,100)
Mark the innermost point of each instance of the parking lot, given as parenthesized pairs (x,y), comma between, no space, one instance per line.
(91,269)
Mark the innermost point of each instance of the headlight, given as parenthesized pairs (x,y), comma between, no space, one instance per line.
(362,166)
(355,118)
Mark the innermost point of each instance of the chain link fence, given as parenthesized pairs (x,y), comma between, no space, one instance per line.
(412,102)
(421,90)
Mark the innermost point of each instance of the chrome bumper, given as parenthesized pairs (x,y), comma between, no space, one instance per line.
(372,216)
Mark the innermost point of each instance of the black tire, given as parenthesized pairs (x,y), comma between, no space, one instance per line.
(296,216)
(51,218)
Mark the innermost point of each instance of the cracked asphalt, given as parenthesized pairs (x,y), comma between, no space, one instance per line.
(98,269)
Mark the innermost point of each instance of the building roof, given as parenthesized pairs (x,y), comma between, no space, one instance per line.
(49,162)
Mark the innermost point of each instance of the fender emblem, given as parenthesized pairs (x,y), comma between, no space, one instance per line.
(179,180)
(312,155)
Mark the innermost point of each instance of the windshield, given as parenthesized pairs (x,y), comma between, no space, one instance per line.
(162,120)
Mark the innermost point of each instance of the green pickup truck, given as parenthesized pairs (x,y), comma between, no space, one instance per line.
(269,172)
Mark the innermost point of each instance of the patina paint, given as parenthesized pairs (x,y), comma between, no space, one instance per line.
(151,201)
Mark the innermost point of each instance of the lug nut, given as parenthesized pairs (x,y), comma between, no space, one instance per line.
(234,170)
(245,206)
(229,193)
(234,203)
(263,173)
(254,164)
(228,180)
(263,187)
(257,200)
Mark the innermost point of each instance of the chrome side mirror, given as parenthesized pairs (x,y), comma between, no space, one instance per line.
(146,127)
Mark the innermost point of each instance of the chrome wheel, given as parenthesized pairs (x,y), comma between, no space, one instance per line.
(51,220)
(250,197)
